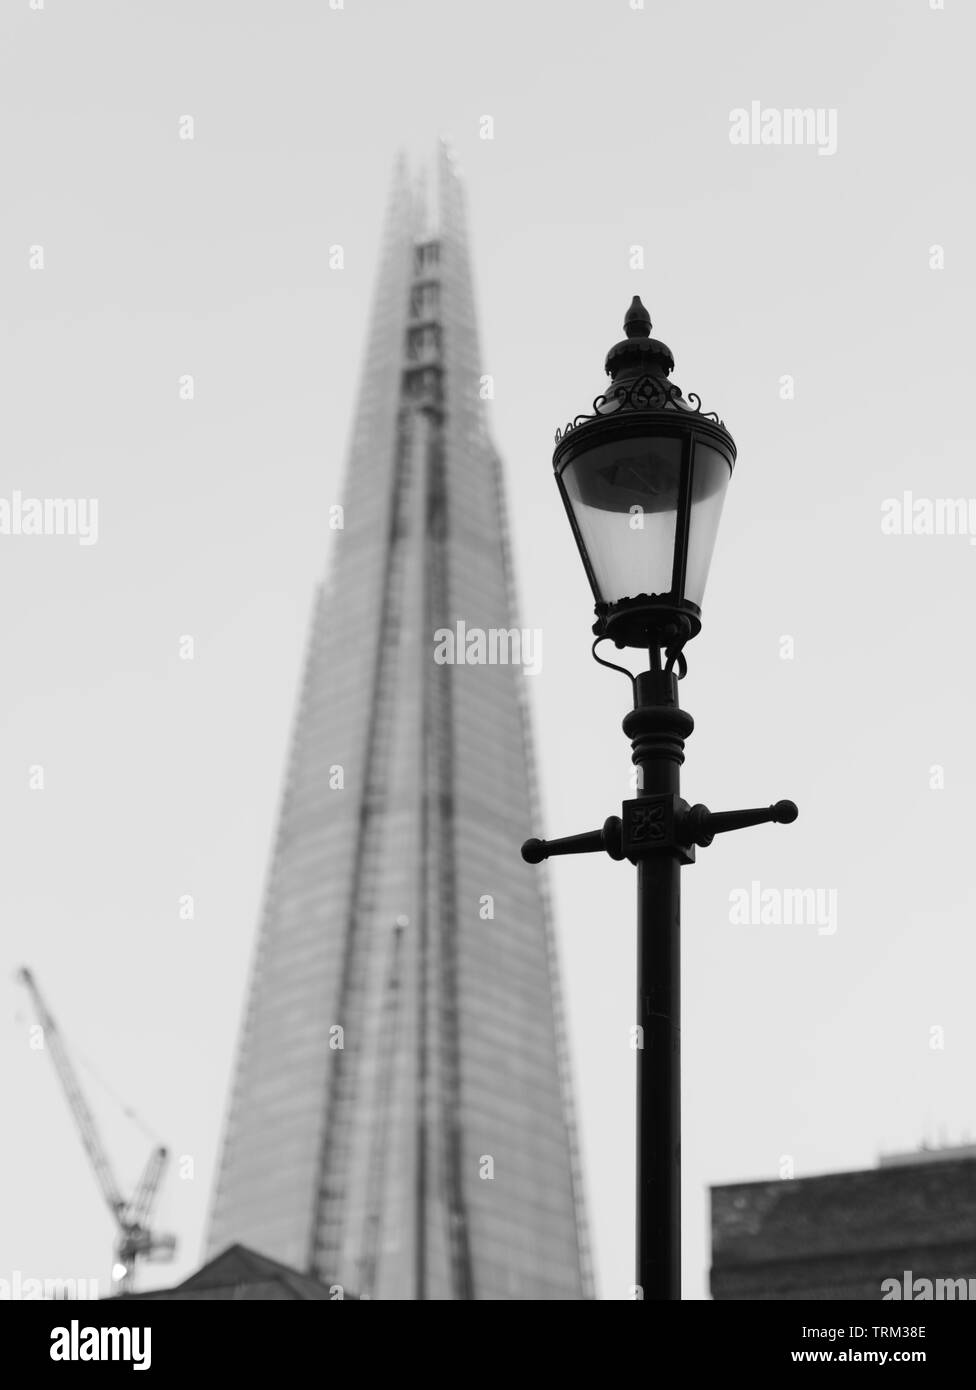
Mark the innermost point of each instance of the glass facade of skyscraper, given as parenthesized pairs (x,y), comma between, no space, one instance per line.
(400,1120)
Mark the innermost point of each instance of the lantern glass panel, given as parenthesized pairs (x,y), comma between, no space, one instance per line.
(624,497)
(709,480)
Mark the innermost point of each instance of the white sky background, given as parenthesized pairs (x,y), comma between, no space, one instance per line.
(165,257)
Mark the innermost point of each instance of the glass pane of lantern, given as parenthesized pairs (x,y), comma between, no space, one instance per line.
(709,480)
(624,496)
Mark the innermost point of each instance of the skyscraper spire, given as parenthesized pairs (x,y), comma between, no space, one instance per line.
(400,1121)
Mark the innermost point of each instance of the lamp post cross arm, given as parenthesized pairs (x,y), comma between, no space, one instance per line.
(702,825)
(607,838)
(654,823)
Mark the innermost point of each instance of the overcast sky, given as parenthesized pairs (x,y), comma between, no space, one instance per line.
(611,131)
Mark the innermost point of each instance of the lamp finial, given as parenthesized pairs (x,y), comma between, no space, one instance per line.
(637,321)
(638,355)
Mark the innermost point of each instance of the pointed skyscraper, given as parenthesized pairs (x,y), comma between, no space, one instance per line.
(400,1121)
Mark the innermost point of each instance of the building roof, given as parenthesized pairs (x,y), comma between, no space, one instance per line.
(839,1235)
(240,1273)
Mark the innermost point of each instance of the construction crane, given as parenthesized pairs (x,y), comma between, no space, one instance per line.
(135,1239)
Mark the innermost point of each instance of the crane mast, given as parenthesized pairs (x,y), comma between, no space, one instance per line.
(135,1239)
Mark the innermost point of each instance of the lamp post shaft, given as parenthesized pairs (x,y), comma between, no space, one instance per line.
(658,728)
(659,1077)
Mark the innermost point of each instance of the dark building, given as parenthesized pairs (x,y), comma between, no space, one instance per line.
(906,1229)
(239,1273)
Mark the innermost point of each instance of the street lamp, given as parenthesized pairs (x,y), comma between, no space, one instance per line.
(643,480)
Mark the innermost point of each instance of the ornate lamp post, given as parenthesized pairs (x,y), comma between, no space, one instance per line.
(643,480)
